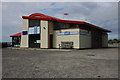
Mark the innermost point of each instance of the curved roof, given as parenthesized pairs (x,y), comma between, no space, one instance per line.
(40,16)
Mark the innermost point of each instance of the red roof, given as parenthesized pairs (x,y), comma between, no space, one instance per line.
(40,16)
(15,35)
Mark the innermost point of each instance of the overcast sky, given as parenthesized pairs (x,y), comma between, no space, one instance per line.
(102,14)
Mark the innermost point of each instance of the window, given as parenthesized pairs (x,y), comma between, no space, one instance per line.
(73,25)
(58,25)
(33,22)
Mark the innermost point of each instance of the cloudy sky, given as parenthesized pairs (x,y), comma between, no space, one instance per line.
(103,14)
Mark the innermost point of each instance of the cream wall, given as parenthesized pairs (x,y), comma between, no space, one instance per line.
(44,34)
(24,38)
(104,40)
(65,38)
(85,40)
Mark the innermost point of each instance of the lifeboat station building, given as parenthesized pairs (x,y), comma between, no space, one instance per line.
(43,31)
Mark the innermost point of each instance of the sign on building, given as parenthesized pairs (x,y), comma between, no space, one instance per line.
(34,30)
(24,32)
(73,33)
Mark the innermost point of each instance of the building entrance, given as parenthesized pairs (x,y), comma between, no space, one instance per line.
(34,33)
(34,41)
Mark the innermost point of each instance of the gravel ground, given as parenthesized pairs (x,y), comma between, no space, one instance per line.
(54,63)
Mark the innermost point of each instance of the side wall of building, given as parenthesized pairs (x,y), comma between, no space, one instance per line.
(104,40)
(24,38)
(57,39)
(44,34)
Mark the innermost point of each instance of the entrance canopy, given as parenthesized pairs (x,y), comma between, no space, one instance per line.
(16,35)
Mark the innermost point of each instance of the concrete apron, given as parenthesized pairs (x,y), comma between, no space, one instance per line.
(41,49)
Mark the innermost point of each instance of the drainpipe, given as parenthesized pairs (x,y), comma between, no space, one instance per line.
(79,38)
